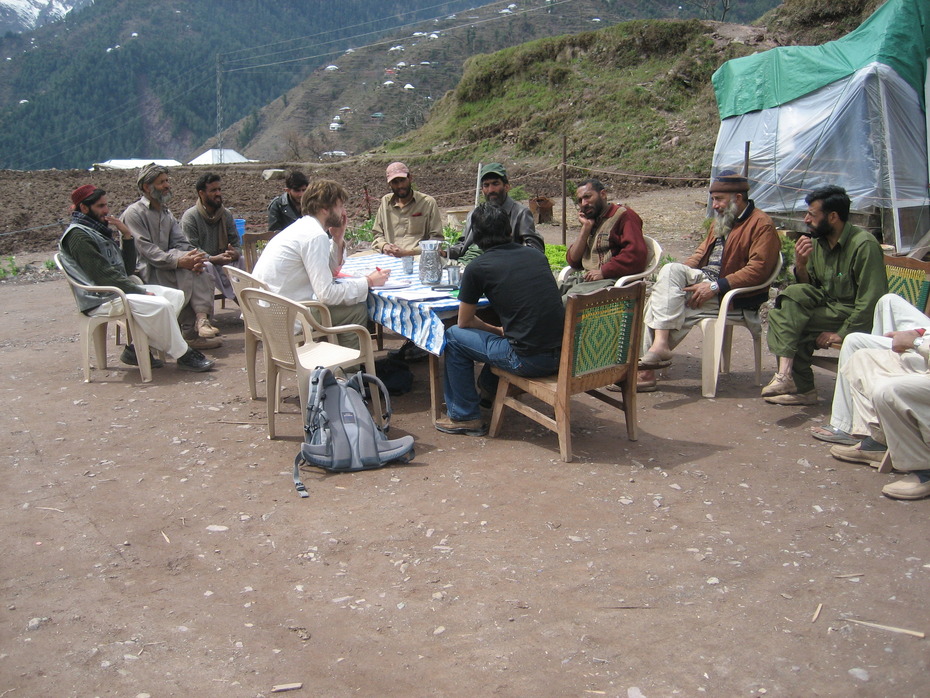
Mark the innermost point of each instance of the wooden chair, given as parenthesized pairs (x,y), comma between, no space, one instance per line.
(910,279)
(600,347)
(653,257)
(94,330)
(718,336)
(250,247)
(276,317)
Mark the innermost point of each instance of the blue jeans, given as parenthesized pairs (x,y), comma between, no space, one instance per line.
(466,346)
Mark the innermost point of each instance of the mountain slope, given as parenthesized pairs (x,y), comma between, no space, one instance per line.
(124,78)
(25,15)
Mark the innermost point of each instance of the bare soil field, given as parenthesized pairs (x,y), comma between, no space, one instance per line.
(156,545)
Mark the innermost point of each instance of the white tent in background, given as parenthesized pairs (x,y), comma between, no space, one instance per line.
(132,164)
(219,156)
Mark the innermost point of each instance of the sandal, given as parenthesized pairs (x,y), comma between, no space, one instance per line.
(832,435)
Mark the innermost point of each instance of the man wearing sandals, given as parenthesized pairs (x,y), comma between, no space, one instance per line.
(892,315)
(741,249)
(890,392)
(841,275)
(170,258)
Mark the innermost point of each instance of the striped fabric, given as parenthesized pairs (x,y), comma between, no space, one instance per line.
(419,321)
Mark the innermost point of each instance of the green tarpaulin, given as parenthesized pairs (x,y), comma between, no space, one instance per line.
(897,35)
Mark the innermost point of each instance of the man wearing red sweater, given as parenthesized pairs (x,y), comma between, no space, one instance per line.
(610,244)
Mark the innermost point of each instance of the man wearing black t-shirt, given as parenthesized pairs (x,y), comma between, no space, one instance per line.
(518,282)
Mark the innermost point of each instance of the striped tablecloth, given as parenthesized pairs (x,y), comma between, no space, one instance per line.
(418,320)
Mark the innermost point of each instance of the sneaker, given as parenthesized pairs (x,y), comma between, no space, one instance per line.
(913,486)
(203,343)
(868,452)
(469,427)
(781,384)
(794,399)
(129,357)
(409,352)
(204,329)
(193,360)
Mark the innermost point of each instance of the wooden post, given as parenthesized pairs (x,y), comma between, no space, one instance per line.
(746,160)
(564,192)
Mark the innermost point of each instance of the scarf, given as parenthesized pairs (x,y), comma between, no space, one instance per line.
(90,222)
(213,219)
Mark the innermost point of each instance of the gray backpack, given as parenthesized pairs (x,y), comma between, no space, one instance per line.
(339,434)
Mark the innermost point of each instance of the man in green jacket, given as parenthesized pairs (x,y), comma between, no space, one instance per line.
(841,276)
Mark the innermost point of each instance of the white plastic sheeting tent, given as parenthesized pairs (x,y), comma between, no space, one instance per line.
(850,112)
(219,156)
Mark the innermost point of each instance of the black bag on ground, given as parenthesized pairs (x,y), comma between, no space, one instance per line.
(395,374)
(340,434)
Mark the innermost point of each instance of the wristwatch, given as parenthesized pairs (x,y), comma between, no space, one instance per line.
(918,342)
(714,286)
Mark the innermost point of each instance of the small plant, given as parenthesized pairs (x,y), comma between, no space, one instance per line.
(11,269)
(360,237)
(556,256)
(451,234)
(786,275)
(518,193)
(50,264)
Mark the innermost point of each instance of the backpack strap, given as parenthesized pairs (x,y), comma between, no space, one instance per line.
(360,380)
(298,483)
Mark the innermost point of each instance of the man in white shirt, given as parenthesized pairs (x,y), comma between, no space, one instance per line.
(302,261)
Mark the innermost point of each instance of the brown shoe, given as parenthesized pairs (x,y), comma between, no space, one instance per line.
(794,399)
(781,384)
(204,329)
(916,485)
(857,454)
(469,427)
(201,343)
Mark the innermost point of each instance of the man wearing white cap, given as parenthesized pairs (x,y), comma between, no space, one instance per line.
(405,216)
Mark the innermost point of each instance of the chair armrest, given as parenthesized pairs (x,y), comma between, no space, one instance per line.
(564,274)
(326,318)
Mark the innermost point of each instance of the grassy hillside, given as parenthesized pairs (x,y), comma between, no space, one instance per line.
(635,97)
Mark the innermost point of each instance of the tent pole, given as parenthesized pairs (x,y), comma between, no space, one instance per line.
(746,159)
(889,156)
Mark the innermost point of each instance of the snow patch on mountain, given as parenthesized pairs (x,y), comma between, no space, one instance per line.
(26,15)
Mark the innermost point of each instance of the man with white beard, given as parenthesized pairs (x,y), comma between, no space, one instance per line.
(741,249)
(169,257)
(301,262)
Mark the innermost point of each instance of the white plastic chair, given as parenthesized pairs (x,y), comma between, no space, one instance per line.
(94,330)
(241,280)
(718,336)
(653,257)
(276,317)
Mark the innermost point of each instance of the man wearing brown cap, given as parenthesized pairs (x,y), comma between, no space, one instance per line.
(170,258)
(741,249)
(94,256)
(405,217)
(841,275)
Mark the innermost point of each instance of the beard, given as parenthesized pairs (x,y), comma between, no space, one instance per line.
(162,197)
(820,230)
(333,220)
(723,221)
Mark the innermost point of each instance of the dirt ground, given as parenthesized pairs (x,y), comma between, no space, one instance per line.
(156,546)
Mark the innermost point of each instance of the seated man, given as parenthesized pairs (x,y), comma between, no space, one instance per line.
(891,401)
(93,257)
(210,226)
(495,187)
(170,258)
(892,314)
(301,261)
(841,275)
(522,291)
(610,244)
(741,249)
(285,209)
(405,217)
